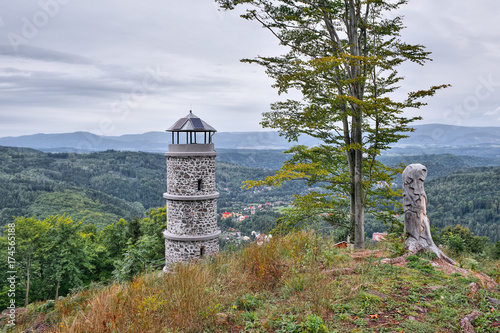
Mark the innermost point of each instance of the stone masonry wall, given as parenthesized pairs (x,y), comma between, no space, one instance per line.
(179,251)
(183,173)
(192,217)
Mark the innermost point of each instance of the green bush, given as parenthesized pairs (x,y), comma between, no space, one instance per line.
(496,250)
(247,302)
(420,264)
(289,324)
(461,240)
(314,324)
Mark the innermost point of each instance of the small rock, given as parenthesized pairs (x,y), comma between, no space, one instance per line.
(493,301)
(435,287)
(474,288)
(411,318)
(466,322)
(435,264)
(376,293)
(221,318)
(419,309)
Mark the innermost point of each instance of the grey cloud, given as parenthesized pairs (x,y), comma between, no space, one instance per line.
(42,54)
(40,87)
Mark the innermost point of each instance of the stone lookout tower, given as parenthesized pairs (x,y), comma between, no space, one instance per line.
(191,195)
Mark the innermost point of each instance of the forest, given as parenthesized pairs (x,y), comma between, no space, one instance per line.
(56,255)
(101,188)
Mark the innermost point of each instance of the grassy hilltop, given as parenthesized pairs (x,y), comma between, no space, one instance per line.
(295,283)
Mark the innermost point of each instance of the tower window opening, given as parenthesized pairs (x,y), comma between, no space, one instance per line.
(202,251)
(199,184)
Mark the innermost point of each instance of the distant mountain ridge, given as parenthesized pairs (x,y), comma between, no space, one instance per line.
(427,139)
(448,139)
(439,135)
(155,142)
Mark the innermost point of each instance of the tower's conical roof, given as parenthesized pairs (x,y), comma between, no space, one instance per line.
(191,123)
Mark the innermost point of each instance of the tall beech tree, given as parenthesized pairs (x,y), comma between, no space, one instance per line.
(67,257)
(31,235)
(342,57)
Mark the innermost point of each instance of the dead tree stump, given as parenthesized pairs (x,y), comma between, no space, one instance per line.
(416,223)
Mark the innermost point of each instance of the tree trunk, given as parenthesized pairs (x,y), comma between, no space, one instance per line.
(352,215)
(352,198)
(57,291)
(356,91)
(359,229)
(359,210)
(357,207)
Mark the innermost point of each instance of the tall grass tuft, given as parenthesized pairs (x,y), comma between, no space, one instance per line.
(263,264)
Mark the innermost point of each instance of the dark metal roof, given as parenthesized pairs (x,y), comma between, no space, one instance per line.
(191,123)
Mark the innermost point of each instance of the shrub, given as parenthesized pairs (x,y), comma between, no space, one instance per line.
(247,302)
(496,250)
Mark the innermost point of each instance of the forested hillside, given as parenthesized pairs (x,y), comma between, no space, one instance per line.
(439,165)
(100,188)
(106,186)
(469,197)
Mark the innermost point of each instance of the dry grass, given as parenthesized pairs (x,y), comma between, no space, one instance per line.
(151,303)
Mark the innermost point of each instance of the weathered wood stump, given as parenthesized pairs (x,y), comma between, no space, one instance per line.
(416,223)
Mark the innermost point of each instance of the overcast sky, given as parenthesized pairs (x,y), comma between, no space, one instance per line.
(113,67)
